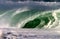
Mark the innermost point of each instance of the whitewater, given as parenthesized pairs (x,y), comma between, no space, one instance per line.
(26,18)
(40,15)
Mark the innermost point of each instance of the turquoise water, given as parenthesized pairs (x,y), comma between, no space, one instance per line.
(40,21)
(29,18)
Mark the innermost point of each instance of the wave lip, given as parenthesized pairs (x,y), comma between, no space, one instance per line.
(31,19)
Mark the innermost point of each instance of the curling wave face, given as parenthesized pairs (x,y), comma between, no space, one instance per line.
(30,19)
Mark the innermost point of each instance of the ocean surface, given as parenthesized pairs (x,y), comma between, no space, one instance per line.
(40,15)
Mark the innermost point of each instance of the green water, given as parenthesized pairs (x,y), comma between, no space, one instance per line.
(28,19)
(40,21)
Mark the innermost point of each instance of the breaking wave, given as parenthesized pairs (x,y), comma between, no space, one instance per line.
(26,18)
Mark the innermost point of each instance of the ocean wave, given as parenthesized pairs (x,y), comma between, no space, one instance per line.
(30,19)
